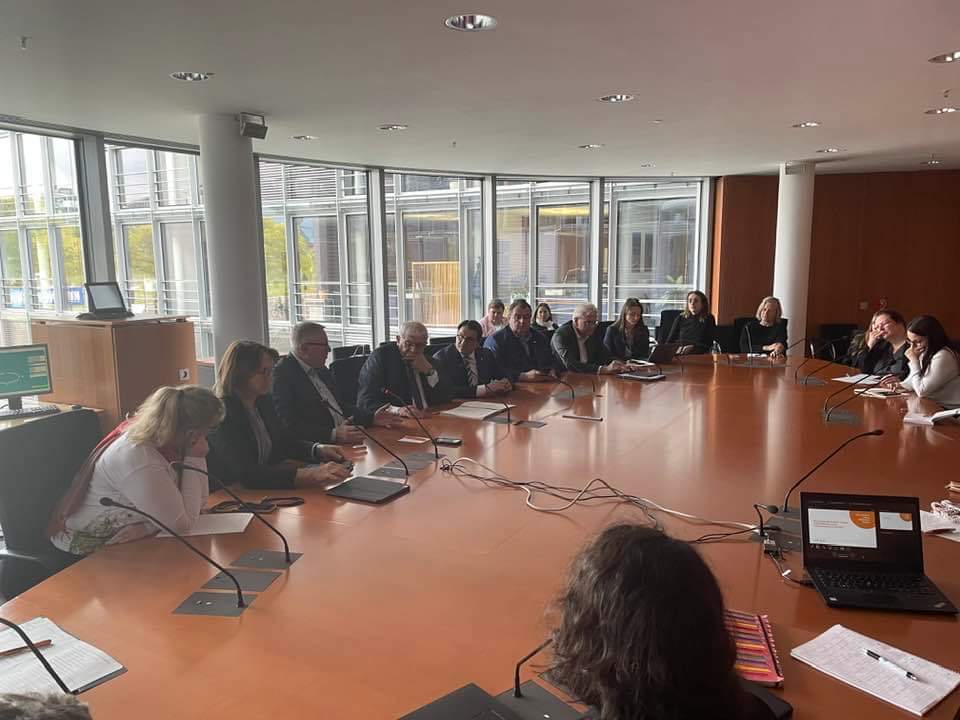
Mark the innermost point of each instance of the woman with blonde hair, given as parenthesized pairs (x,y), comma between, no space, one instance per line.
(767,333)
(132,466)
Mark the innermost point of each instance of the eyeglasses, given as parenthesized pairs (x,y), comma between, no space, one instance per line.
(265,371)
(318,344)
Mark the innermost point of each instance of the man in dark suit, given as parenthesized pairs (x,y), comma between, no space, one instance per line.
(305,394)
(522,353)
(472,370)
(402,368)
(579,347)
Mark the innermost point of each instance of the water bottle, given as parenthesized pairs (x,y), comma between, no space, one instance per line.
(715,349)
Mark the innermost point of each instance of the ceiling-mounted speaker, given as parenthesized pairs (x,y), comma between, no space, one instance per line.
(253,125)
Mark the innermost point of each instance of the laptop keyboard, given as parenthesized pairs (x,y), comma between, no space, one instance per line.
(875,582)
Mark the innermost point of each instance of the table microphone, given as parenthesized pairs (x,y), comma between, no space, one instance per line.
(746,329)
(813,355)
(183,466)
(516,673)
(108,502)
(406,470)
(391,393)
(36,651)
(772,509)
(786,498)
(827,412)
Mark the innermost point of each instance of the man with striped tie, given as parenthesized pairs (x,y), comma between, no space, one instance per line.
(472,371)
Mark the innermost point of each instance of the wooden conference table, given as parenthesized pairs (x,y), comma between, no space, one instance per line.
(394,606)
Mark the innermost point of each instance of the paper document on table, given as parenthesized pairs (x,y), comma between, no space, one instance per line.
(80,665)
(841,653)
(920,419)
(476,409)
(217,524)
(861,378)
(939,525)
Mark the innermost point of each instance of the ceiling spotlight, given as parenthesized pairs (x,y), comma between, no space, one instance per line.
(191,76)
(304,137)
(391,128)
(830,150)
(932,161)
(807,124)
(940,111)
(657,121)
(590,146)
(473,22)
(946,57)
(617,98)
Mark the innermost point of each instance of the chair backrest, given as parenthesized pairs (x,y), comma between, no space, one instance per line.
(350,351)
(443,340)
(40,458)
(603,325)
(346,374)
(728,339)
(667,318)
(738,324)
(835,339)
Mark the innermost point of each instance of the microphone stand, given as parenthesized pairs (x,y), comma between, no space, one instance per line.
(828,412)
(436,449)
(406,470)
(39,655)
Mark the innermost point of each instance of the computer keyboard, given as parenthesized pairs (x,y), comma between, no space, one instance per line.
(33,411)
(875,582)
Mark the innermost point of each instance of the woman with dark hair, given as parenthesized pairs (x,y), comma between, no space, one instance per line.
(628,338)
(251,445)
(695,329)
(543,319)
(642,634)
(934,367)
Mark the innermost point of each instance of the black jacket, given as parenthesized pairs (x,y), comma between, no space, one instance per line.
(234,452)
(616,344)
(694,331)
(882,360)
(511,356)
(450,363)
(386,368)
(567,350)
(754,336)
(299,404)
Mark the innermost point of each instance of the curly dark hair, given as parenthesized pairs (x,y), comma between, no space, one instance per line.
(642,631)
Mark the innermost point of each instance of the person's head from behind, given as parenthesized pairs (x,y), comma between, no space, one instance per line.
(697,305)
(891,326)
(177,419)
(309,342)
(769,311)
(926,337)
(543,314)
(585,318)
(495,312)
(468,336)
(630,314)
(520,317)
(641,631)
(412,340)
(34,706)
(245,370)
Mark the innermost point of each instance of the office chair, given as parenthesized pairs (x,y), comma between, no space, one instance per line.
(443,340)
(350,351)
(346,375)
(667,318)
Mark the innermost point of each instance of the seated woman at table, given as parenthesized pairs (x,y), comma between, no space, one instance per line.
(768,332)
(131,466)
(543,319)
(628,338)
(694,329)
(252,445)
(861,344)
(934,367)
(889,353)
(641,632)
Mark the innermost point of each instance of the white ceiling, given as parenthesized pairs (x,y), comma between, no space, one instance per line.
(726,77)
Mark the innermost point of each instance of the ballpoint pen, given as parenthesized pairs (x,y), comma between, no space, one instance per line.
(890,664)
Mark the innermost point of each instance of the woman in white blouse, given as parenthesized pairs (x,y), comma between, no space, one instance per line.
(934,367)
(132,466)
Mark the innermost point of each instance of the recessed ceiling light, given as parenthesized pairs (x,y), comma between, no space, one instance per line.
(807,124)
(473,22)
(191,76)
(304,137)
(830,150)
(946,57)
(940,110)
(657,121)
(932,161)
(590,146)
(617,98)
(391,128)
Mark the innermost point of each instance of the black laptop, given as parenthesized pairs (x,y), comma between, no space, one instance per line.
(663,353)
(866,551)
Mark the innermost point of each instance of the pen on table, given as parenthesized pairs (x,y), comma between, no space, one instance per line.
(24,648)
(890,664)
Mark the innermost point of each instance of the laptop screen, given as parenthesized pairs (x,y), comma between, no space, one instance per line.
(861,531)
(105,297)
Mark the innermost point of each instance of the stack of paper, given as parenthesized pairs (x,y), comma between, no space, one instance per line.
(81,666)
(859,378)
(918,419)
(477,409)
(940,526)
(841,653)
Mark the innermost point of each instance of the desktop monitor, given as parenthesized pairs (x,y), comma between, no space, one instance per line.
(105,298)
(24,370)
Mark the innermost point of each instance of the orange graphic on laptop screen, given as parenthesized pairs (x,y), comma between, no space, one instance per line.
(906,517)
(863,519)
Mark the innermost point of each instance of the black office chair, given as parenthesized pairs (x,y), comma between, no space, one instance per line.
(443,340)
(431,350)
(738,324)
(603,325)
(40,458)
(834,340)
(667,318)
(350,351)
(728,339)
(346,374)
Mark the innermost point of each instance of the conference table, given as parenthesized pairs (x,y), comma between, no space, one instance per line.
(393,606)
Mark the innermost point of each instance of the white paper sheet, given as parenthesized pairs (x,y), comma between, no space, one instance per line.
(217,524)
(861,378)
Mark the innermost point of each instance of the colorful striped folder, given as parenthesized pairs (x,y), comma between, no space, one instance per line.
(757,658)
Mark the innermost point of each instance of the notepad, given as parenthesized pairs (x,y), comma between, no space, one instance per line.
(860,378)
(80,665)
(218,524)
(839,653)
(476,409)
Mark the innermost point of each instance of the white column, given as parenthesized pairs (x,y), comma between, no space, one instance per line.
(234,249)
(791,267)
